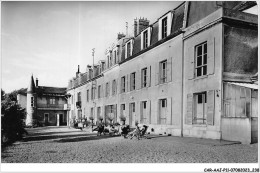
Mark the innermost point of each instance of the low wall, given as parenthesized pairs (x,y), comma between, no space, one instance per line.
(236,129)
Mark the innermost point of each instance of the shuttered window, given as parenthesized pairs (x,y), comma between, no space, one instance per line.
(144,77)
(164,27)
(123,84)
(163,71)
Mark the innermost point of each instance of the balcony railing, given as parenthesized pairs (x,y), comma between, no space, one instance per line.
(54,106)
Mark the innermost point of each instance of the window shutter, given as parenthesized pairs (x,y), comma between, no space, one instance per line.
(169,111)
(191,65)
(169,69)
(127,83)
(142,40)
(157,111)
(188,117)
(148,111)
(156,79)
(211,56)
(138,79)
(148,76)
(210,107)
(160,30)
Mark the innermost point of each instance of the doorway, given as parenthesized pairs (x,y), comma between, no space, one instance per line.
(132,114)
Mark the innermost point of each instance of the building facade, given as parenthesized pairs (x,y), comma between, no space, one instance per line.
(174,74)
(45,106)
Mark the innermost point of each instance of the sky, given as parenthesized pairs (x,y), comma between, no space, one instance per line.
(50,39)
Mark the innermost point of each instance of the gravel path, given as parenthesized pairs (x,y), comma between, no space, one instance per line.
(64,145)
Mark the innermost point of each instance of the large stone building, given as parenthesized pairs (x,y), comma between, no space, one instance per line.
(176,74)
(44,105)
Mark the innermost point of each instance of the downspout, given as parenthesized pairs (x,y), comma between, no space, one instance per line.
(182,63)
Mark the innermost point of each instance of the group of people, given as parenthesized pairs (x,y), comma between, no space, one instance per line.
(124,130)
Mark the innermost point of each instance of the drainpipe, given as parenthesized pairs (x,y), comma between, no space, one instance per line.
(182,76)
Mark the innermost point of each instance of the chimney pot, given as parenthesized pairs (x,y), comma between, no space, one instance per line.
(36,82)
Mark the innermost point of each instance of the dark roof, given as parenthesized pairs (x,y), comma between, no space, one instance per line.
(22,91)
(177,20)
(154,34)
(31,88)
(137,44)
(51,90)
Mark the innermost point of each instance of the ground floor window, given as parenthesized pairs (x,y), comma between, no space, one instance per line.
(162,111)
(200,108)
(143,118)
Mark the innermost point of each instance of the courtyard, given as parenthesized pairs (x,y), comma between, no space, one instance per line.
(69,145)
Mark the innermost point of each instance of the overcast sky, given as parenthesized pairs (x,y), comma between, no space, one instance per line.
(49,39)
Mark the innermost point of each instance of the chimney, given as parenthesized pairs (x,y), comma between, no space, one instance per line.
(78,72)
(139,25)
(120,35)
(36,82)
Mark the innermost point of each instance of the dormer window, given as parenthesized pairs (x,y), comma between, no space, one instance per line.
(129,48)
(164,27)
(145,38)
(165,23)
(145,45)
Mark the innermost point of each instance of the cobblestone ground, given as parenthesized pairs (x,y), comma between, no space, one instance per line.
(56,145)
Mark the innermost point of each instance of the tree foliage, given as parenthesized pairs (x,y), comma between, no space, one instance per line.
(12,126)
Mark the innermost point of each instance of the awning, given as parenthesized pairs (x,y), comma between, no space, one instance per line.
(247,85)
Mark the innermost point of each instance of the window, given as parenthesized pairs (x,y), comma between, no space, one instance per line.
(200,108)
(99,91)
(107,89)
(115,56)
(144,104)
(163,72)
(163,111)
(164,27)
(46,117)
(110,61)
(52,100)
(79,96)
(133,107)
(144,77)
(123,84)
(201,59)
(71,99)
(92,112)
(128,45)
(87,95)
(132,81)
(145,37)
(114,87)
(32,101)
(123,106)
(92,93)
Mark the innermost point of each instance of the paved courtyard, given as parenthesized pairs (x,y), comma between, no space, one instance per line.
(64,145)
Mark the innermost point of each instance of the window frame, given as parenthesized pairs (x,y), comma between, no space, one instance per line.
(107,89)
(133,81)
(204,64)
(114,87)
(99,91)
(123,84)
(164,27)
(145,39)
(196,102)
(144,77)
(163,72)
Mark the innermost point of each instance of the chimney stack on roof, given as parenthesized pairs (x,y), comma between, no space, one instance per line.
(36,82)
(120,35)
(139,25)
(78,72)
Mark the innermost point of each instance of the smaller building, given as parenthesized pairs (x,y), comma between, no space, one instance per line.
(44,105)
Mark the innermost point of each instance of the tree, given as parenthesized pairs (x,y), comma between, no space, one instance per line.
(12,126)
